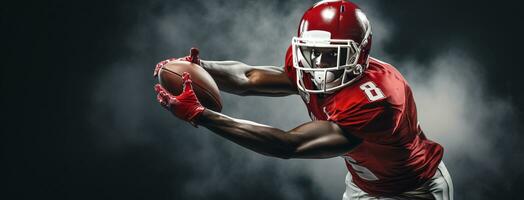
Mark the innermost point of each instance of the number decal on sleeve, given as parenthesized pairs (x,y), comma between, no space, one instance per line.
(372,91)
(361,171)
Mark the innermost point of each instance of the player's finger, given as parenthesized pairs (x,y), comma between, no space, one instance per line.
(194,51)
(158,88)
(164,95)
(193,54)
(158,67)
(167,99)
(162,92)
(155,72)
(186,77)
(161,101)
(161,64)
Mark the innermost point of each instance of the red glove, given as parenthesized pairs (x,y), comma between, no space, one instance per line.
(193,57)
(186,105)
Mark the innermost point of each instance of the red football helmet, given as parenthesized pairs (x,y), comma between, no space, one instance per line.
(332,47)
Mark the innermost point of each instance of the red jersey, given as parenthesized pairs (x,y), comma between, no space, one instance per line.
(378,108)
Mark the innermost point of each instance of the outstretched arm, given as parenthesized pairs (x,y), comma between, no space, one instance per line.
(316,139)
(241,79)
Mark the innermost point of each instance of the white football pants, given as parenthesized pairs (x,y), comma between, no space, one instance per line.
(439,187)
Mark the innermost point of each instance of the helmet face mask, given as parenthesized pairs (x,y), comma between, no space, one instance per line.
(332,63)
(332,57)
(323,57)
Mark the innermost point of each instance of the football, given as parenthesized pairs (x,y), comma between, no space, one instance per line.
(206,90)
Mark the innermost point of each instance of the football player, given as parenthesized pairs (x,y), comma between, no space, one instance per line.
(362,109)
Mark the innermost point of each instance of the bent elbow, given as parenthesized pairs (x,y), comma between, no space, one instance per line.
(245,87)
(240,89)
(286,153)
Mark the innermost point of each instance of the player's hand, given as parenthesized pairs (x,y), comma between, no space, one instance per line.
(192,57)
(184,106)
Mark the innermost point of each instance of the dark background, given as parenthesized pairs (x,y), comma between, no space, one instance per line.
(61,139)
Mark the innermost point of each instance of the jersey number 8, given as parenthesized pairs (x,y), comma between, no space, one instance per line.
(372,91)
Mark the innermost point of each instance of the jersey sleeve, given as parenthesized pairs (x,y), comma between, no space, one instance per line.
(369,122)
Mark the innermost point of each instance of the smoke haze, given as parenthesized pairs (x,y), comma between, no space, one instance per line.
(111,139)
(454,109)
